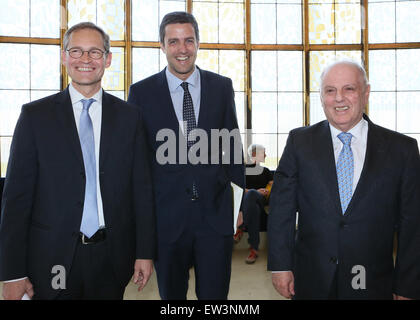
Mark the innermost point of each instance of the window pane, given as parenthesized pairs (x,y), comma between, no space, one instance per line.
(260,28)
(316,111)
(321,24)
(382,109)
(408,112)
(264,112)
(45,67)
(348,23)
(14,18)
(263,78)
(5,143)
(208,60)
(45,18)
(39,94)
(145,20)
(14,66)
(380,32)
(231,23)
(408,69)
(109,15)
(289,30)
(232,65)
(382,70)
(408,26)
(81,10)
(206,14)
(289,71)
(145,63)
(11,102)
(290,111)
(113,79)
(111,18)
(240,110)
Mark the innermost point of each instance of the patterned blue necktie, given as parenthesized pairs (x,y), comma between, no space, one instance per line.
(90,223)
(345,170)
(189,123)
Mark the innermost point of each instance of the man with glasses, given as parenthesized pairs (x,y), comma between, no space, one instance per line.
(77,214)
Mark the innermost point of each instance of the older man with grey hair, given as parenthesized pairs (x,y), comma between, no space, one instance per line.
(354,185)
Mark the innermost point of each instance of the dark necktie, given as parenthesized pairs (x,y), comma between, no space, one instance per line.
(189,123)
(90,223)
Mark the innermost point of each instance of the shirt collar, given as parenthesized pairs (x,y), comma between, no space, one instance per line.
(76,96)
(174,82)
(357,131)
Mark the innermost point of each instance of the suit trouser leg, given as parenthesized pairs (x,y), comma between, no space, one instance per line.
(200,246)
(92,275)
(252,206)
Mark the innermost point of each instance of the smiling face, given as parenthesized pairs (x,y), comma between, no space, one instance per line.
(180,46)
(344,96)
(86,73)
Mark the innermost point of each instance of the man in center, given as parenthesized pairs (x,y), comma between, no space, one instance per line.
(193,201)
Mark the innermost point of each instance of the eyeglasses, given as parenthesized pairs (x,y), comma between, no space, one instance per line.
(92,53)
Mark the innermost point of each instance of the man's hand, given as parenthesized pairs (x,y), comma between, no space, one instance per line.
(143,269)
(397,297)
(240,220)
(284,283)
(16,289)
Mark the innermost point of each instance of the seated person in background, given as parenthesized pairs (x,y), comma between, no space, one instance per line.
(258,185)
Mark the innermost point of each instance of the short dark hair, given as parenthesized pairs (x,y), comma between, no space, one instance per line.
(86,25)
(177,17)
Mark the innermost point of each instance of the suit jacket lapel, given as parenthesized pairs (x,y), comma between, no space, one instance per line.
(375,151)
(108,123)
(204,99)
(326,164)
(164,107)
(65,115)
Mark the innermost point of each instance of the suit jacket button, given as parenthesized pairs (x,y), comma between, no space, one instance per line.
(333,259)
(343,224)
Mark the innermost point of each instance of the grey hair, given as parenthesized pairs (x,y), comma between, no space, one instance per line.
(349,62)
(87,25)
(253,148)
(177,17)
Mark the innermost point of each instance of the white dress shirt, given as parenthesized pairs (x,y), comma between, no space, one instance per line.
(95,112)
(358,146)
(177,93)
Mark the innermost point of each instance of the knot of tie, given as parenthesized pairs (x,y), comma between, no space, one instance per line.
(345,138)
(87,103)
(184,86)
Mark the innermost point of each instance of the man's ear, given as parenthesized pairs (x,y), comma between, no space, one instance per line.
(108,60)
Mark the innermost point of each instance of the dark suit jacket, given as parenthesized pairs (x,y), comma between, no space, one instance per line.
(173,182)
(387,198)
(44,191)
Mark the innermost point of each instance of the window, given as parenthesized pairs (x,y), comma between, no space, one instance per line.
(273,50)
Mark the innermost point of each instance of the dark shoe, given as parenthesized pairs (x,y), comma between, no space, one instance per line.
(252,257)
(238,235)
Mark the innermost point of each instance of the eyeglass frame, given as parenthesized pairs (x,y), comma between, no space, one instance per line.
(89,53)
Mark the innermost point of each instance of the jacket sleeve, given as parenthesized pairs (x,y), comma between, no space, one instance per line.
(18,195)
(281,223)
(407,267)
